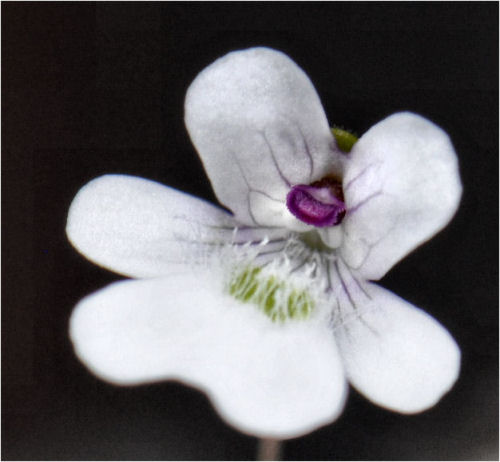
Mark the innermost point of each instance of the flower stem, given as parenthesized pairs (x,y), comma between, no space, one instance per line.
(269,449)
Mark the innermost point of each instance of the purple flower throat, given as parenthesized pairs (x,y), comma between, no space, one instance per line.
(319,204)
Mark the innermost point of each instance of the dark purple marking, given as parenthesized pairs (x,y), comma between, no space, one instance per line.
(319,204)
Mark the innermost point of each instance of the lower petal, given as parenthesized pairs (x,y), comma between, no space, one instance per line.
(394,353)
(266,379)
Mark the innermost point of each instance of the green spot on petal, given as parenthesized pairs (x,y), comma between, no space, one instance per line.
(345,140)
(274,297)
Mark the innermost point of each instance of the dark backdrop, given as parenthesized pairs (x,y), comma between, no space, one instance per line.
(91,89)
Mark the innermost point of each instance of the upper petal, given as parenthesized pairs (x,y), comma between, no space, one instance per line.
(141,228)
(401,186)
(267,379)
(395,354)
(259,127)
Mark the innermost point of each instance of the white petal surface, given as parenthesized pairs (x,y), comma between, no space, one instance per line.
(141,228)
(259,127)
(395,354)
(401,187)
(266,379)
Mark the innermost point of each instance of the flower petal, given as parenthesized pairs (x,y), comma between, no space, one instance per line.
(395,354)
(259,127)
(141,228)
(267,379)
(401,187)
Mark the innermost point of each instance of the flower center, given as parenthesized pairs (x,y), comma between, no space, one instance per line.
(276,298)
(319,204)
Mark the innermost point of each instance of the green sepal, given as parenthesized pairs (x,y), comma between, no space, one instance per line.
(345,140)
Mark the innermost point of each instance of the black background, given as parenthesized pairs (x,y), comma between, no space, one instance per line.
(89,89)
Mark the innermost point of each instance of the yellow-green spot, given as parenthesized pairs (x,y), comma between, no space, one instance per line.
(274,297)
(345,140)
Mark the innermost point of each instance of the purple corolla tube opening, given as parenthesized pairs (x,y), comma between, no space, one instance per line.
(320,204)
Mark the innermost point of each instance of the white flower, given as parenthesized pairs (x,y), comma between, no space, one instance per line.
(269,310)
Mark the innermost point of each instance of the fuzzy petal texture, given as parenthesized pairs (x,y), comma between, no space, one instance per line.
(267,379)
(401,186)
(141,228)
(259,127)
(395,354)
